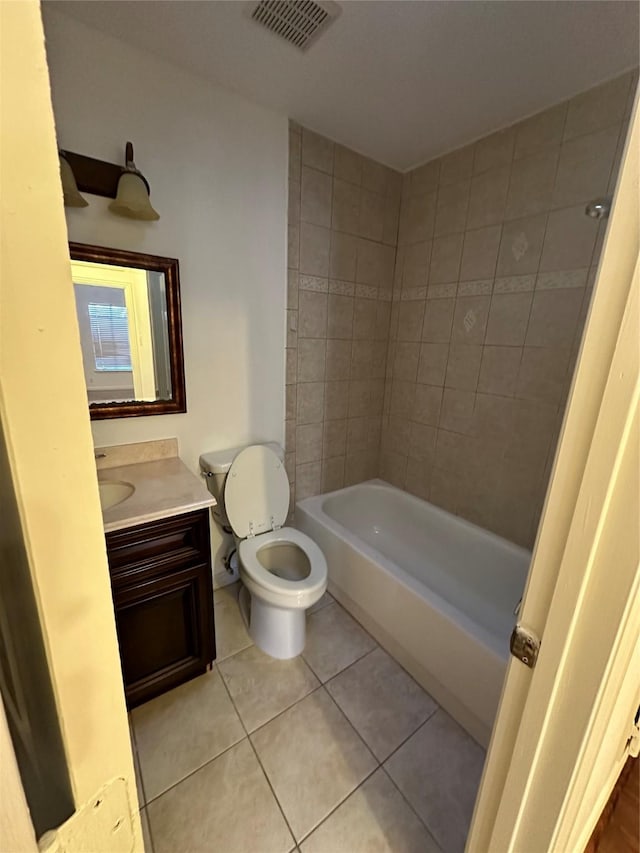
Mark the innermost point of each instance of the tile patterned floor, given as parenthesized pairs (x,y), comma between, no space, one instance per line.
(337,751)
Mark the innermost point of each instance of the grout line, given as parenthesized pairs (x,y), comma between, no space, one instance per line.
(410,805)
(255,752)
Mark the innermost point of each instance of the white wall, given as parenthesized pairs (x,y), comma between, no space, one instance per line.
(217,165)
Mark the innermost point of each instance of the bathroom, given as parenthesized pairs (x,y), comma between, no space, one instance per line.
(419,328)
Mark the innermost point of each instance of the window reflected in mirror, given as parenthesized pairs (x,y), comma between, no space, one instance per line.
(127,322)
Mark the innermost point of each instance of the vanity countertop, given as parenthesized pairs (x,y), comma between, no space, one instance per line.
(163,488)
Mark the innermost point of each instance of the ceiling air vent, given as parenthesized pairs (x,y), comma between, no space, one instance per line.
(300,22)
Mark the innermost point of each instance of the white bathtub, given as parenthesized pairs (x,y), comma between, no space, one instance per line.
(436,591)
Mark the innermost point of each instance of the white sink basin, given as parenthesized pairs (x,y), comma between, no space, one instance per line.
(114,492)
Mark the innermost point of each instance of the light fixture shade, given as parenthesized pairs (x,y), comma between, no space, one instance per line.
(132,199)
(72,197)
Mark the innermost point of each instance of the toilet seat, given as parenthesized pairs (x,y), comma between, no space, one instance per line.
(276,590)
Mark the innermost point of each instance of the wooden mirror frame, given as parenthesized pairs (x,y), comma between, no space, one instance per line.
(168,266)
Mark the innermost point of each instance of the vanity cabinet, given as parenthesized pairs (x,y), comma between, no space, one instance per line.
(163,595)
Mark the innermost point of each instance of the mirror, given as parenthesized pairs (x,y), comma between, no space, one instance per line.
(128,307)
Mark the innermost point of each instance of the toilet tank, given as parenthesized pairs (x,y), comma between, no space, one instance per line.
(215,467)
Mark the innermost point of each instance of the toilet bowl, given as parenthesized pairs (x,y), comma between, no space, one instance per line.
(283,571)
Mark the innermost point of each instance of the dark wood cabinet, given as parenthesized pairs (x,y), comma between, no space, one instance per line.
(163,595)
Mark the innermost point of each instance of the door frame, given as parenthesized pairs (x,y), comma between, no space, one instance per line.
(550,768)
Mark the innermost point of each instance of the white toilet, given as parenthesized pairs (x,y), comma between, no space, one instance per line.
(284,571)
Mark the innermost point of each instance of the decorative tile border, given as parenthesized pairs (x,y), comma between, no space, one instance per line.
(481,287)
(312,282)
(410,294)
(514,284)
(562,279)
(442,291)
(342,288)
(368,291)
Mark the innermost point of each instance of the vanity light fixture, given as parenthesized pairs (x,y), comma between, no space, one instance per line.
(132,197)
(128,187)
(72,197)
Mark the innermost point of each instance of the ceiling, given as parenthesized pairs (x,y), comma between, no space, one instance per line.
(399,81)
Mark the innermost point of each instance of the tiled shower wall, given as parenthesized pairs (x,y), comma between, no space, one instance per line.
(343,225)
(459,397)
(495,268)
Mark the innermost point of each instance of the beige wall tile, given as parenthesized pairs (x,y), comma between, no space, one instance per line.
(542,373)
(343,255)
(338,360)
(438,319)
(445,259)
(347,165)
(410,318)
(292,289)
(361,359)
(308,443)
(374,176)
(311,359)
(457,410)
(364,319)
(554,318)
(508,318)
(463,367)
(425,404)
(424,179)
(532,184)
(495,150)
(310,402)
(403,396)
(317,151)
(293,207)
(480,253)
(335,438)
(521,246)
(336,401)
(332,474)
(293,247)
(368,270)
(540,132)
(499,370)
(569,240)
(291,401)
(315,200)
(405,365)
(372,208)
(488,197)
(456,166)
(597,108)
(585,166)
(470,319)
(391,221)
(433,363)
(314,250)
(340,317)
(308,480)
(417,218)
(291,369)
(359,398)
(415,270)
(346,207)
(312,314)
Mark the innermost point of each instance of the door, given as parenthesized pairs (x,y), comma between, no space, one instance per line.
(562,731)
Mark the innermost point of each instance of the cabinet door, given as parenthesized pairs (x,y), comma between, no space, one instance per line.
(165,631)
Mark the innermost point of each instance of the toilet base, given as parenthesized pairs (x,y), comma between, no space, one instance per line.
(278,632)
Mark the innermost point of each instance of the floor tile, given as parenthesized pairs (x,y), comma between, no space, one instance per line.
(146,832)
(262,686)
(313,758)
(139,786)
(181,730)
(382,702)
(324,601)
(438,770)
(231,634)
(374,819)
(225,806)
(334,640)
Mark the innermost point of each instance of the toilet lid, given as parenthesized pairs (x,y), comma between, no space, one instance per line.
(256,492)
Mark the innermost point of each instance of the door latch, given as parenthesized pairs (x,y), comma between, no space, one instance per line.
(524,645)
